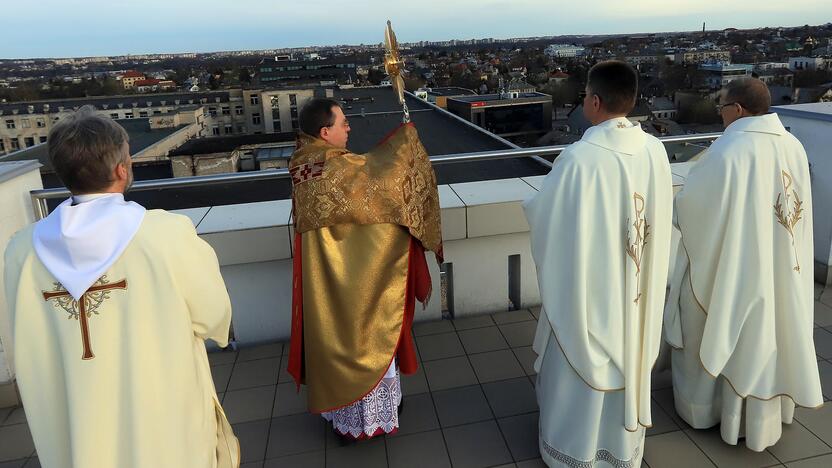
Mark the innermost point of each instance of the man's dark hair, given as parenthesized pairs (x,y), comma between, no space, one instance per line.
(317,114)
(85,149)
(616,84)
(751,93)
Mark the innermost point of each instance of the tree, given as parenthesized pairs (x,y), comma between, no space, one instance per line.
(245,76)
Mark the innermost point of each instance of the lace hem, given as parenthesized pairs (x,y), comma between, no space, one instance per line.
(377,411)
(602,455)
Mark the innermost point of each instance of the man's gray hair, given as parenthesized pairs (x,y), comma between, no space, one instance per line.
(85,149)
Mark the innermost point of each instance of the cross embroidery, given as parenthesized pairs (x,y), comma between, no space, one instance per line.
(306,172)
(82,309)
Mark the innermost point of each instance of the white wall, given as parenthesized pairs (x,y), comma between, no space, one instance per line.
(16,180)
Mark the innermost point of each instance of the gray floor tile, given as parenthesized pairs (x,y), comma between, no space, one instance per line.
(301,460)
(254,373)
(15,442)
(511,397)
(818,290)
(4,413)
(476,445)
(537,463)
(710,442)
(288,401)
(221,375)
(512,316)
(260,352)
(257,464)
(218,358)
(823,314)
(418,415)
(674,450)
(13,463)
(220,396)
(426,449)
(526,356)
(33,462)
(797,443)
(665,400)
(370,454)
(250,404)
(662,422)
(439,346)
(824,461)
(496,365)
(477,321)
(481,340)
(17,416)
(284,375)
(819,421)
(432,328)
(253,438)
(826,296)
(298,433)
(449,373)
(520,333)
(825,369)
(535,312)
(661,380)
(461,406)
(521,435)
(415,383)
(823,343)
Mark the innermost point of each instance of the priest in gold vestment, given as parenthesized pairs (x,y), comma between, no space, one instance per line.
(362,224)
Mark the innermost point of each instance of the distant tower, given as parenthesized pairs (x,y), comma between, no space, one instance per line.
(703,26)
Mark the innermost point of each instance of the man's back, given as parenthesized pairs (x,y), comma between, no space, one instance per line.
(120,377)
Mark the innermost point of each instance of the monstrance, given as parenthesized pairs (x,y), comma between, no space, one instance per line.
(394,66)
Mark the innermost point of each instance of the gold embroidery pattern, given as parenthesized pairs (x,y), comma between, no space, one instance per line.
(394,183)
(792,215)
(635,248)
(84,309)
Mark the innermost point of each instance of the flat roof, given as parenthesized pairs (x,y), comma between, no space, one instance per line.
(497,98)
(814,111)
(112,102)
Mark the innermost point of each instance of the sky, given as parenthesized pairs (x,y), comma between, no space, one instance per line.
(77,28)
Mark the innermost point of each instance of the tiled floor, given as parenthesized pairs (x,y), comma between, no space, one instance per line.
(472,404)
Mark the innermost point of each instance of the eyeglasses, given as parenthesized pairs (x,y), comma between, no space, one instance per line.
(719,107)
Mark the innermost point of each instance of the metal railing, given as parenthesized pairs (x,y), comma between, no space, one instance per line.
(40,197)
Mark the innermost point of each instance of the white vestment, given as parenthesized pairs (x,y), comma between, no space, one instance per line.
(110,306)
(600,237)
(741,316)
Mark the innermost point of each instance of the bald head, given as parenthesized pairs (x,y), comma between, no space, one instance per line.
(751,93)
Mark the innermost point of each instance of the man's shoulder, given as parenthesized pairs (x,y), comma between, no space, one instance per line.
(166,224)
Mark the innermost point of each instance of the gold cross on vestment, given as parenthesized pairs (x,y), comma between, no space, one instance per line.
(83,308)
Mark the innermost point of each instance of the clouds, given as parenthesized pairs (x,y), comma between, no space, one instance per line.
(51,28)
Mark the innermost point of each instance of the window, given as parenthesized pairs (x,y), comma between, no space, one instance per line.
(40,122)
(294,112)
(229,129)
(293,99)
(10,124)
(238,110)
(212,111)
(15,144)
(215,130)
(114,115)
(29,141)
(226,110)
(26,123)
(276,125)
(255,100)
(2,146)
(143,114)
(255,118)
(128,115)
(241,129)
(43,139)
(275,100)
(157,112)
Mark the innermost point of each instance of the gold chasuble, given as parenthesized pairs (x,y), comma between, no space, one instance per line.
(362,224)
